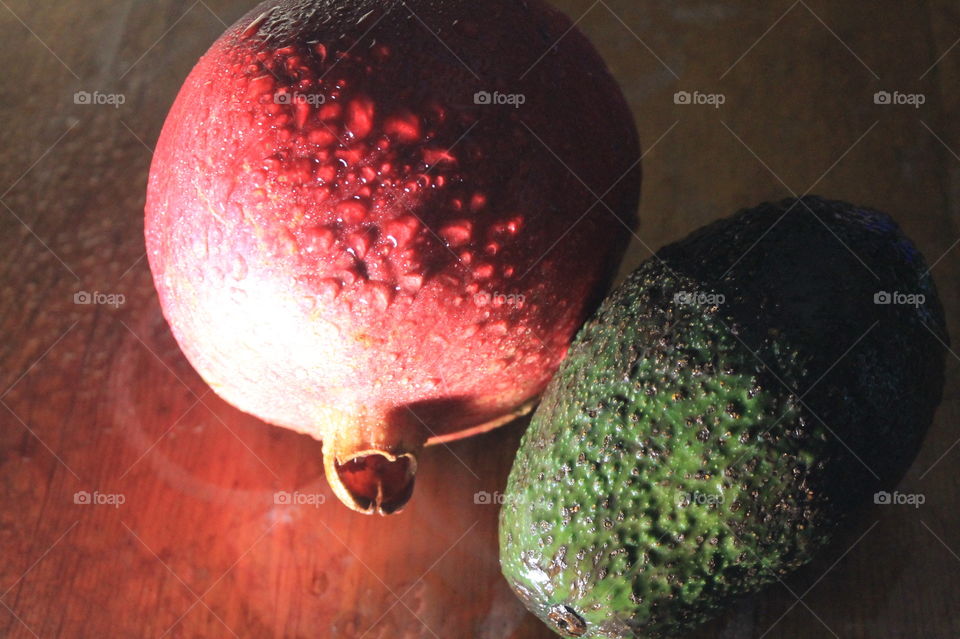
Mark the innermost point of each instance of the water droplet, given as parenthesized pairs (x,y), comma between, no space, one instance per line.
(379,295)
(321,137)
(457,233)
(351,211)
(498,328)
(238,294)
(308,302)
(411,282)
(318,239)
(483,271)
(402,230)
(359,243)
(360,119)
(260,85)
(330,111)
(302,113)
(436,156)
(405,127)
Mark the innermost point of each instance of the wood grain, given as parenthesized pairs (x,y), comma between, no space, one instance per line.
(97,398)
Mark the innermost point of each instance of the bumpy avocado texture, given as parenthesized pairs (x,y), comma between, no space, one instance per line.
(726,407)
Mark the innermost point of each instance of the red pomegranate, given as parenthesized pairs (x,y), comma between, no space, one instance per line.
(377,222)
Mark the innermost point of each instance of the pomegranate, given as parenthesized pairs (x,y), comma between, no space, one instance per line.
(377,222)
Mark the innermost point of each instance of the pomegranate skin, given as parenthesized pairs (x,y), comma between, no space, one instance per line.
(350,240)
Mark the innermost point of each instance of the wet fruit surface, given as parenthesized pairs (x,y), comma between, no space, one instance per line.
(354,237)
(741,394)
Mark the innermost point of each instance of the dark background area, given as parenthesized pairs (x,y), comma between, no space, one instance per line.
(97,398)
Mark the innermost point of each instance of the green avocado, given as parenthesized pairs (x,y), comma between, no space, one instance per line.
(713,423)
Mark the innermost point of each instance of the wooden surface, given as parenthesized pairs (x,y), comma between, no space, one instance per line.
(97,398)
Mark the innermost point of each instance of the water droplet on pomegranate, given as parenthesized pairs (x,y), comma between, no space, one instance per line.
(379,295)
(405,127)
(321,137)
(436,156)
(411,282)
(318,239)
(330,111)
(402,229)
(351,211)
(326,173)
(360,119)
(238,294)
(359,243)
(483,271)
(498,328)
(259,86)
(303,111)
(457,233)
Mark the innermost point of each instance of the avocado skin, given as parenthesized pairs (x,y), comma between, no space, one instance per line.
(687,454)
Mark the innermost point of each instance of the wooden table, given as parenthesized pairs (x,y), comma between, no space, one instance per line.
(99,398)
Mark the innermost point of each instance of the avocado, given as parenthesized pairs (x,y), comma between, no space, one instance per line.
(714,422)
